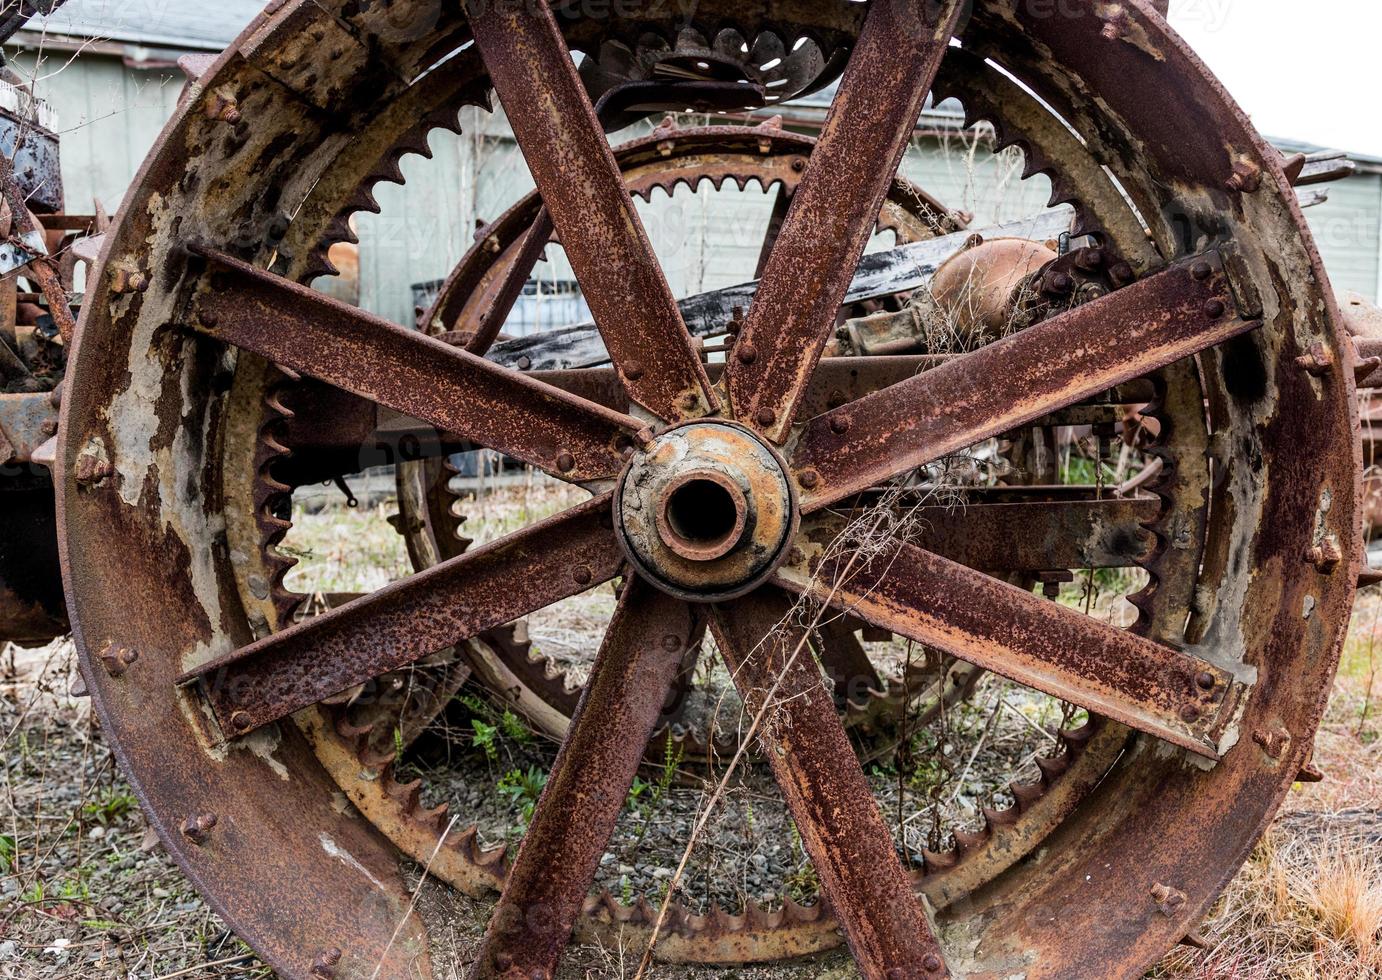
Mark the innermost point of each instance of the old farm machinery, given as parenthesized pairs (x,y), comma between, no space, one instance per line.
(39,261)
(781,502)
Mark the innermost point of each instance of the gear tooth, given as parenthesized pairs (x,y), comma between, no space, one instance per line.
(408,795)
(1026,794)
(726,922)
(339,230)
(934,861)
(318,266)
(1076,740)
(590,906)
(1052,768)
(345,728)
(463,841)
(415,143)
(434,818)
(363,200)
(968,841)
(611,905)
(797,912)
(995,818)
(390,172)
(493,858)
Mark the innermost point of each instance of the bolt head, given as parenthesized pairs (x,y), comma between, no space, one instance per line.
(839,425)
(582,575)
(765,417)
(1205,681)
(746,353)
(671,643)
(1215,308)
(633,370)
(808,479)
(566,462)
(1201,271)
(932,962)
(241,721)
(1189,714)
(524,363)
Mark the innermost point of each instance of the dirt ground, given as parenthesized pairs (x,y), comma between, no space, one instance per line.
(87,891)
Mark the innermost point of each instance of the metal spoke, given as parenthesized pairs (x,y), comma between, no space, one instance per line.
(582,189)
(633,674)
(408,620)
(1125,335)
(404,370)
(835,208)
(1171,694)
(819,776)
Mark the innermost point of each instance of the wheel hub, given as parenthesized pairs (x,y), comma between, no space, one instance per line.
(706,512)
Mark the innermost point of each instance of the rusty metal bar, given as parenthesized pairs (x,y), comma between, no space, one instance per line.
(405,621)
(582,189)
(402,369)
(835,208)
(1040,536)
(633,676)
(1173,695)
(819,776)
(1125,335)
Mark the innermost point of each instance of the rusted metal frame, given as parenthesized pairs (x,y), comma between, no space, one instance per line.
(407,620)
(893,272)
(1092,348)
(819,776)
(633,675)
(573,439)
(594,215)
(1040,536)
(42,268)
(835,208)
(1171,694)
(27,421)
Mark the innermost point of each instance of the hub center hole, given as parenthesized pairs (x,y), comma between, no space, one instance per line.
(704,518)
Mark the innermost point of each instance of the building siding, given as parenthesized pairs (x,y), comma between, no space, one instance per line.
(111,114)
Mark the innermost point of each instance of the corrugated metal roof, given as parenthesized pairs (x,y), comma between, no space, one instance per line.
(194,24)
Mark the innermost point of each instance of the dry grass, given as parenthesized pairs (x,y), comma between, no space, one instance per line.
(1308,904)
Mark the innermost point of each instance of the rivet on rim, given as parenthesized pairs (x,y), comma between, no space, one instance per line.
(116,659)
(196,828)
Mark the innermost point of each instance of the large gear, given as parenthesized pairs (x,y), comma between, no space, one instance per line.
(1223,678)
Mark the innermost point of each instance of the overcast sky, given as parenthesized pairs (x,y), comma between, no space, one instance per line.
(1309,72)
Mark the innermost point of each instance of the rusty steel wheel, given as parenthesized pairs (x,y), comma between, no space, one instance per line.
(1202,714)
